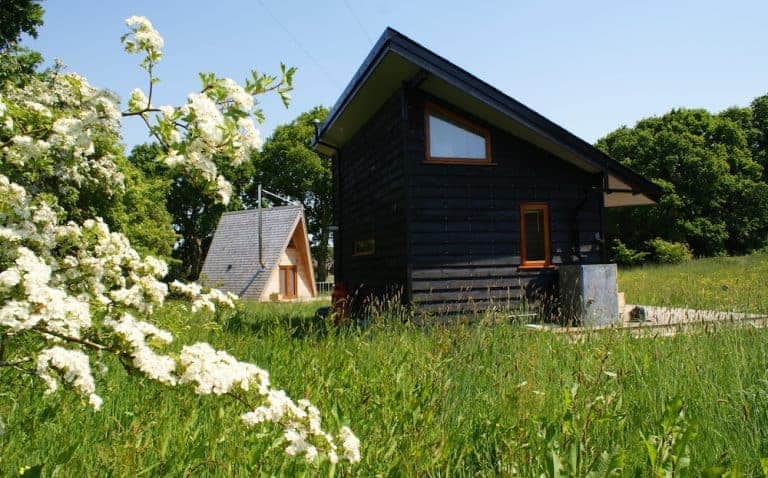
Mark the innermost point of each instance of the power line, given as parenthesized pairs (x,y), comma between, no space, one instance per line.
(298,43)
(357,19)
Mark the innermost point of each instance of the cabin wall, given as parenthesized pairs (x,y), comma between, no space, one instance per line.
(370,194)
(292,256)
(464,221)
(289,257)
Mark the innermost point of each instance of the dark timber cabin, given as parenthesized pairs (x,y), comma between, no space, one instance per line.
(455,194)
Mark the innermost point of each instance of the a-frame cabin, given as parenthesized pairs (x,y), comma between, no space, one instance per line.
(277,266)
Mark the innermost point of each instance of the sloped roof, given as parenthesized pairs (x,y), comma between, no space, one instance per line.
(396,60)
(232,263)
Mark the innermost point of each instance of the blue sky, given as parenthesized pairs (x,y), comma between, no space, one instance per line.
(589,66)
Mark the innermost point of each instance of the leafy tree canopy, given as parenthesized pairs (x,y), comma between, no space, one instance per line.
(17,17)
(712,170)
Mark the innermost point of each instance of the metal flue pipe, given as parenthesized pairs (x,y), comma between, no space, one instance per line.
(260,193)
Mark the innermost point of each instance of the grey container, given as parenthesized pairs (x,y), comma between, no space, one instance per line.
(589,294)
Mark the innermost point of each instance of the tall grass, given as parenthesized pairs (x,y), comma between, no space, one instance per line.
(722,283)
(445,400)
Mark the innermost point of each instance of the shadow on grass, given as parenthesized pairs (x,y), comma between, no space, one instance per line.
(298,321)
(303,321)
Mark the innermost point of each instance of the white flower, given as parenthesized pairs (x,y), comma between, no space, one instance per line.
(23,149)
(223,190)
(201,165)
(218,372)
(109,107)
(95,401)
(38,108)
(155,267)
(237,95)
(202,303)
(36,272)
(350,444)
(70,133)
(135,333)
(9,278)
(74,368)
(205,116)
(138,101)
(174,159)
(250,134)
(143,37)
(168,111)
(190,289)
(138,22)
(16,315)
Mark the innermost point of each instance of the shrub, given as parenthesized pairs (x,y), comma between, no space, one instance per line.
(666,252)
(625,256)
(73,293)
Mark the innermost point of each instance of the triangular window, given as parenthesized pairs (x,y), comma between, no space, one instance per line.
(453,139)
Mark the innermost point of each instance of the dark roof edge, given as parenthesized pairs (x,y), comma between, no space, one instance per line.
(393,40)
(376,53)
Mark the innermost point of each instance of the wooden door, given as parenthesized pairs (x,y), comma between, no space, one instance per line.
(288,282)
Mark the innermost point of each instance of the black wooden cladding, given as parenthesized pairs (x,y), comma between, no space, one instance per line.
(370,203)
(448,233)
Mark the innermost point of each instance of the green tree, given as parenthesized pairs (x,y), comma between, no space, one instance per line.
(759,132)
(18,65)
(716,199)
(17,17)
(287,165)
(135,213)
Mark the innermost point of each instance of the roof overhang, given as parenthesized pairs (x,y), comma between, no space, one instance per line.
(397,60)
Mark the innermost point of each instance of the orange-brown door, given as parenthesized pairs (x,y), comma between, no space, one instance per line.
(288,282)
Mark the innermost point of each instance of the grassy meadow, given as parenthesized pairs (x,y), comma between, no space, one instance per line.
(458,400)
(720,283)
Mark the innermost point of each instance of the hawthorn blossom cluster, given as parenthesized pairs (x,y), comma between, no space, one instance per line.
(80,289)
(71,292)
(63,127)
(214,128)
(74,292)
(52,130)
(75,368)
(217,372)
(142,37)
(203,300)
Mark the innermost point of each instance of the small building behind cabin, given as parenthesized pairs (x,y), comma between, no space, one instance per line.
(273,265)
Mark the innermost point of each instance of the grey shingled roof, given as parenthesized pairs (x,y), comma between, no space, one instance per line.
(236,244)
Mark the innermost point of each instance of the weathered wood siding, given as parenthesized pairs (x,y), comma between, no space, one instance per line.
(463,221)
(449,235)
(370,194)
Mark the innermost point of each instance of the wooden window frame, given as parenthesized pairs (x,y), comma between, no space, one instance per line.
(432,109)
(284,285)
(541,264)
